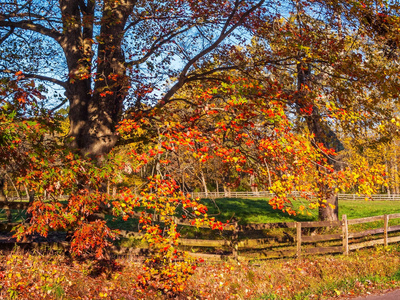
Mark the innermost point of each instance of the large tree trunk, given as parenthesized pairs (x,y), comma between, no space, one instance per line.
(95,113)
(328,207)
(95,94)
(253,187)
(329,211)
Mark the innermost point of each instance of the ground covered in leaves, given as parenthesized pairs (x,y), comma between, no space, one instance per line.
(45,276)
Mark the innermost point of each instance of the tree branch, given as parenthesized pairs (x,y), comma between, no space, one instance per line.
(28,25)
(58,106)
(83,6)
(225,32)
(156,45)
(45,78)
(40,77)
(7,35)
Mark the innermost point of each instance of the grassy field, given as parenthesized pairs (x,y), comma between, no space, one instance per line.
(256,210)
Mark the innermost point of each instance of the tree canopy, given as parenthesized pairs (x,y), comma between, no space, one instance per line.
(170,94)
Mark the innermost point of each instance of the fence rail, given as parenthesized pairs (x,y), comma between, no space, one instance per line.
(377,197)
(231,194)
(341,241)
(304,240)
(382,197)
(296,238)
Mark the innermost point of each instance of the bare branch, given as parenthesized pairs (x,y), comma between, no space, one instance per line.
(37,76)
(225,32)
(156,45)
(29,25)
(195,78)
(58,106)
(133,23)
(182,100)
(83,6)
(45,78)
(7,35)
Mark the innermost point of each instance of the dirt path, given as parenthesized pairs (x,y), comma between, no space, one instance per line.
(389,295)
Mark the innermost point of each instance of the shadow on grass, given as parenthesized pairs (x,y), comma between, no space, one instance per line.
(130,224)
(254,210)
(17,216)
(250,211)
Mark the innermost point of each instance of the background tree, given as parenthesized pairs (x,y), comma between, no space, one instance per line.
(332,76)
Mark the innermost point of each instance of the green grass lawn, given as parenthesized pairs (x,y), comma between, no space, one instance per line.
(256,210)
(361,209)
(251,210)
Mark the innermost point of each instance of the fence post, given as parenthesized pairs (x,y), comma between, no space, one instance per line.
(385,229)
(235,240)
(8,212)
(298,229)
(345,231)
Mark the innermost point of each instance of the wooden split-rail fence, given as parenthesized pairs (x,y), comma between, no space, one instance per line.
(278,240)
(285,240)
(275,240)
(12,196)
(266,194)
(296,239)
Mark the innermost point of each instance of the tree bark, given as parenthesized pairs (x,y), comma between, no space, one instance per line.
(387,173)
(203,180)
(329,210)
(3,196)
(94,113)
(15,188)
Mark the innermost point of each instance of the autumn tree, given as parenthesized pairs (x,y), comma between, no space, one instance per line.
(271,84)
(111,58)
(258,86)
(24,126)
(107,54)
(333,76)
